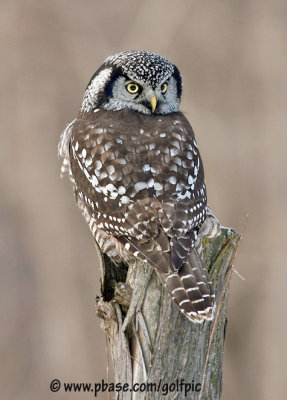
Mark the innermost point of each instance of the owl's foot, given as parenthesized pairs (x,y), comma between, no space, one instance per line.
(209,229)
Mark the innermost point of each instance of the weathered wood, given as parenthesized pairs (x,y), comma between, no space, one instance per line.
(152,343)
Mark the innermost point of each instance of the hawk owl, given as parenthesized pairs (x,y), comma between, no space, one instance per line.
(138,176)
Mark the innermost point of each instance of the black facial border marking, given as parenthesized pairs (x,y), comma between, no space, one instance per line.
(177,75)
(105,94)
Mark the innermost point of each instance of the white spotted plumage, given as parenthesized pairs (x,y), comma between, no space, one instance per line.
(138,176)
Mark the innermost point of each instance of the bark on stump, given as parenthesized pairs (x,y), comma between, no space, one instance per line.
(151,342)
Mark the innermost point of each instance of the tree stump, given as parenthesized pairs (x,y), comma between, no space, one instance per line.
(155,349)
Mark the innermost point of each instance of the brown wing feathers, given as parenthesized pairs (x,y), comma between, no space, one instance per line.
(145,187)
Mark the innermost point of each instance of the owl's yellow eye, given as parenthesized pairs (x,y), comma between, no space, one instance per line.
(132,88)
(163,87)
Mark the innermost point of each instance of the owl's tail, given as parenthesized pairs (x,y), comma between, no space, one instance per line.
(191,289)
(189,286)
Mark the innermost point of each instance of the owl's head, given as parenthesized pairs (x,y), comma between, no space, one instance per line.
(138,80)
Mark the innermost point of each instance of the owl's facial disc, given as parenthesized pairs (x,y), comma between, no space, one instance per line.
(141,97)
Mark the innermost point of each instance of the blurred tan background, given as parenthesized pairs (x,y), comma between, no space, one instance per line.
(233,58)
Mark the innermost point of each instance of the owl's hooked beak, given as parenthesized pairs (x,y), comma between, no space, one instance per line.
(153,102)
